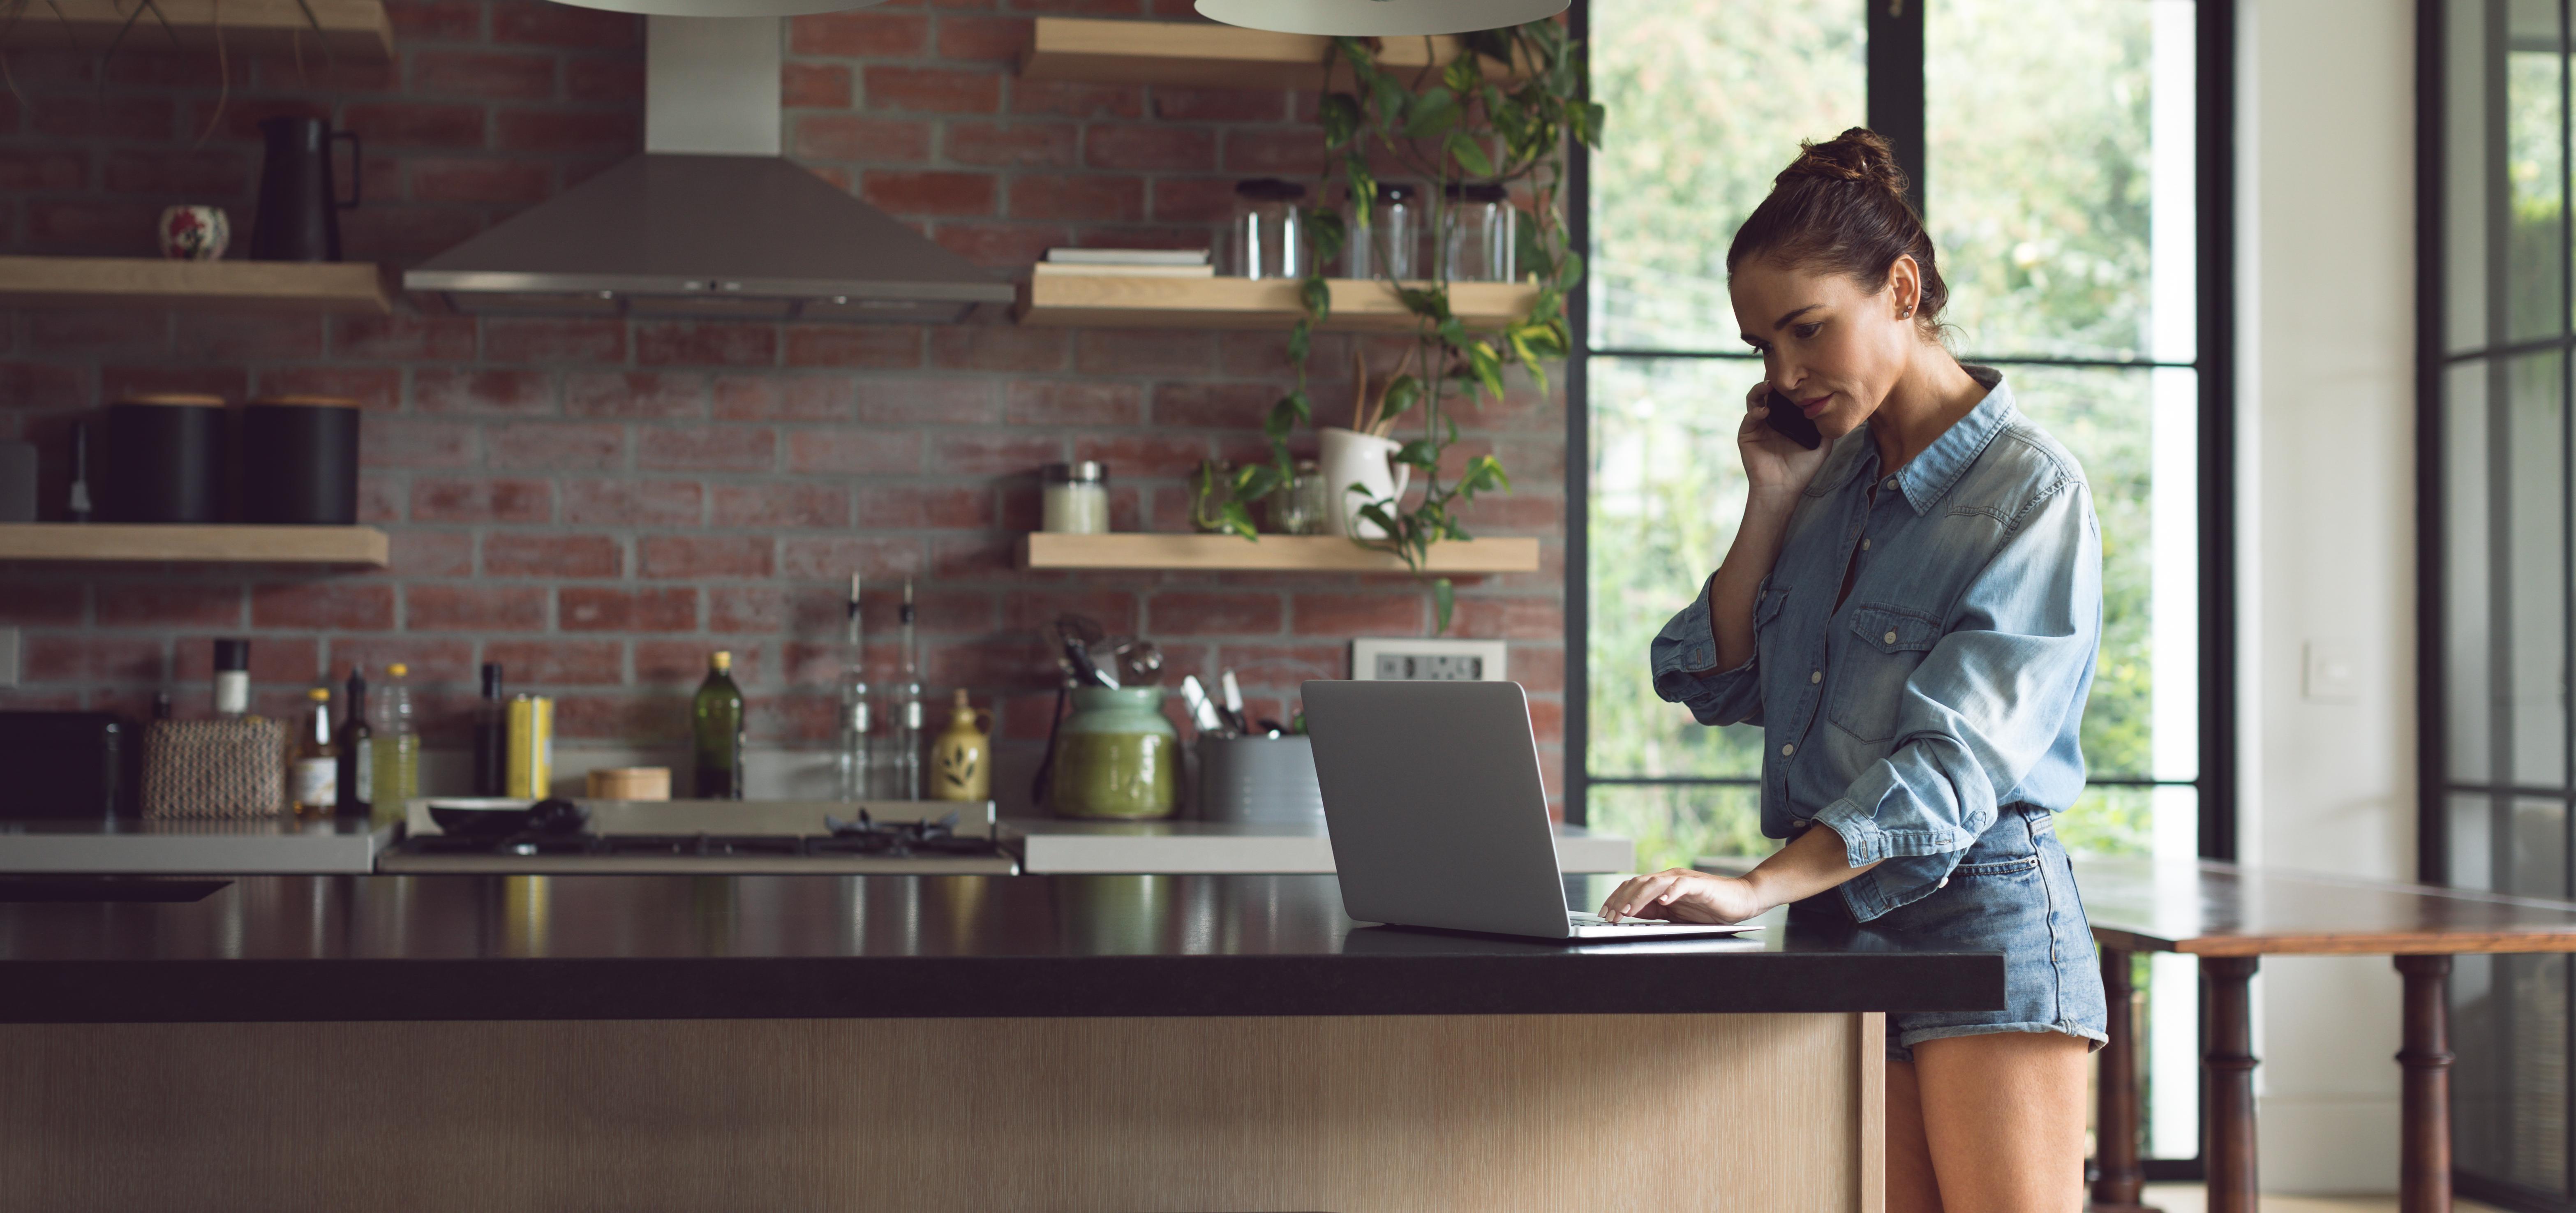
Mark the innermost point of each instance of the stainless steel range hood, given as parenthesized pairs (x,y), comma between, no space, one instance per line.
(710,221)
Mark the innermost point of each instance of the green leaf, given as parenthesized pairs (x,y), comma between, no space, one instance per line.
(1340,114)
(1301,340)
(1469,155)
(1254,481)
(1463,75)
(1432,114)
(1317,296)
(1237,520)
(1325,231)
(1401,396)
(1444,602)
(1487,367)
(1419,453)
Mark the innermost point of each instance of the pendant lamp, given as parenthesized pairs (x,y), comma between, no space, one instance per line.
(723,8)
(1378,18)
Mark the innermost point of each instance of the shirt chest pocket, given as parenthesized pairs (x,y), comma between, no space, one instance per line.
(1882,650)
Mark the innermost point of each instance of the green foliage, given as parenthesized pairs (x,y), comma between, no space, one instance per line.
(1441,127)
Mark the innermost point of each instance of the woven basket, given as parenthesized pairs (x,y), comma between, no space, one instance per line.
(214,768)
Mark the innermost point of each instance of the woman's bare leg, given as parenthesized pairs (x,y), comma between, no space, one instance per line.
(1910,1186)
(2003,1114)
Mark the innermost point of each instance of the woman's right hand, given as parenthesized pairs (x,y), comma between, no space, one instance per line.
(1774,464)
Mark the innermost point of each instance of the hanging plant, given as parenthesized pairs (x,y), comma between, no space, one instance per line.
(1503,112)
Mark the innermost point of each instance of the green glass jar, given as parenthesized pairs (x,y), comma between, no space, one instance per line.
(1116,756)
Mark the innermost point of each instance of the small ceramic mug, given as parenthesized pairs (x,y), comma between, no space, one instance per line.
(195,233)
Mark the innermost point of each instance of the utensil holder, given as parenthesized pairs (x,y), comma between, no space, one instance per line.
(1259,779)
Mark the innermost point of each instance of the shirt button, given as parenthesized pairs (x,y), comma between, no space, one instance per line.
(1891,482)
(1815,676)
(1787,750)
(1864,545)
(1889,638)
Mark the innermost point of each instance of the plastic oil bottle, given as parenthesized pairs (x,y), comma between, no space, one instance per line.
(397,747)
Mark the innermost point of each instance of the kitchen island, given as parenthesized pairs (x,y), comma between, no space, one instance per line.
(1070,1043)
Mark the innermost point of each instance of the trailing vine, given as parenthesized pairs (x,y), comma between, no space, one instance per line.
(1476,120)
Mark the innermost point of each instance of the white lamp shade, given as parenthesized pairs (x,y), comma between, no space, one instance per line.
(1378,18)
(723,8)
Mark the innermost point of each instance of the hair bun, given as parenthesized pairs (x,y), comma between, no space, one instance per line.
(1857,155)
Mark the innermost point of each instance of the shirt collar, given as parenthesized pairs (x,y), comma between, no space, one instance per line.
(1929,477)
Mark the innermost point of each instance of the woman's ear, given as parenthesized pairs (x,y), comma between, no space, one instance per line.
(1904,286)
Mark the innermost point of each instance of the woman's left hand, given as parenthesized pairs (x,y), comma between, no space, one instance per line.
(1684,895)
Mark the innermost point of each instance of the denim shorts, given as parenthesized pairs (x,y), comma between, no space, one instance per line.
(2013,892)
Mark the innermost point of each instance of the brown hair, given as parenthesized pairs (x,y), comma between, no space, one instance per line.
(1840,206)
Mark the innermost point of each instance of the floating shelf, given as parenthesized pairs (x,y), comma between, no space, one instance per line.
(1359,304)
(1273,553)
(97,541)
(147,282)
(354,29)
(1204,54)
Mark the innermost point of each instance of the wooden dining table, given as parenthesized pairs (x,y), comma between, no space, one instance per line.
(2231,917)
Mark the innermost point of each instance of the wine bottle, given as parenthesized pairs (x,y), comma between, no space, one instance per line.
(315,783)
(716,718)
(357,773)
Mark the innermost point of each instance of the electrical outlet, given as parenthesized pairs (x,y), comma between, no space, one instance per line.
(1376,659)
(8,657)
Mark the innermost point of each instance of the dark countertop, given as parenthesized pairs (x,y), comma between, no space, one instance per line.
(330,948)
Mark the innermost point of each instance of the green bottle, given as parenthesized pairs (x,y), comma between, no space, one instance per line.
(716,718)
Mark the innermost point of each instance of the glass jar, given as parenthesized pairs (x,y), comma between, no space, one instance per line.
(1076,499)
(1116,756)
(1484,233)
(1268,236)
(1391,245)
(1297,507)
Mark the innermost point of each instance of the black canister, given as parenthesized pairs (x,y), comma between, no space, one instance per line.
(165,459)
(299,461)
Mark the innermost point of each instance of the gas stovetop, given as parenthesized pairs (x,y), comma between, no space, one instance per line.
(883,837)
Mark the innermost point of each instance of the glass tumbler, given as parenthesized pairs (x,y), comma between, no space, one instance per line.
(1390,246)
(1268,236)
(1484,231)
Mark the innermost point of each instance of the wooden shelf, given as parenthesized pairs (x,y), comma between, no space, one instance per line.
(147,282)
(1203,54)
(1273,553)
(1359,304)
(98,541)
(349,29)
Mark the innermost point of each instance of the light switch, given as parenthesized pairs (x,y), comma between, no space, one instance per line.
(2333,672)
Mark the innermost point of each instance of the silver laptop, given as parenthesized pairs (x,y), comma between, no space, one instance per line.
(1438,816)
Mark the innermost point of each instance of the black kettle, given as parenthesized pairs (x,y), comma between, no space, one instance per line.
(299,217)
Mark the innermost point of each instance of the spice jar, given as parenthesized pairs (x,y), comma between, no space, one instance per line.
(1076,499)
(1268,236)
(1483,233)
(1116,756)
(1391,244)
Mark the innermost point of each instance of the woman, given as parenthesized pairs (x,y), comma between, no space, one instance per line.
(1910,611)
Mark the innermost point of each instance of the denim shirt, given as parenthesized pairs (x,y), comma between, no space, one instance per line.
(1950,683)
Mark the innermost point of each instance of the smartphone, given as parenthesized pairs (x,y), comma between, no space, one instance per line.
(1797,426)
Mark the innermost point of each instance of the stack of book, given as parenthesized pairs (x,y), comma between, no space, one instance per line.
(1126,263)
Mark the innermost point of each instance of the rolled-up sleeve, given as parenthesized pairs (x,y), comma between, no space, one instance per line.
(1684,658)
(1984,707)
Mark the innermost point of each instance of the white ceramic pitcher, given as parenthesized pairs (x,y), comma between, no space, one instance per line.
(1351,457)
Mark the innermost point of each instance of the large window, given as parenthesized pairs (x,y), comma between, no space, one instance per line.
(2495,387)
(2057,152)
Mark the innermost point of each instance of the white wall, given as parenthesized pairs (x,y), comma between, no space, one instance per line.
(2325,164)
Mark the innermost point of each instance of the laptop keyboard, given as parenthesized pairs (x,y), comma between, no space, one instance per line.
(1595,920)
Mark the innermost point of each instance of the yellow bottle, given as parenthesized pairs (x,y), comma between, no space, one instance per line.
(960,767)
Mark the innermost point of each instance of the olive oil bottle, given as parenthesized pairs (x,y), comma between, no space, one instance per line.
(716,721)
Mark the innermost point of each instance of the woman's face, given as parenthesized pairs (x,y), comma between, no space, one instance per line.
(1829,344)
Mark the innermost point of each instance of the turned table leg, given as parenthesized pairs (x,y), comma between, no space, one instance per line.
(2424,1135)
(2227,1062)
(2115,1120)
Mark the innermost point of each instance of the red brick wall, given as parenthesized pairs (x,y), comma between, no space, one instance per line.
(596,504)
